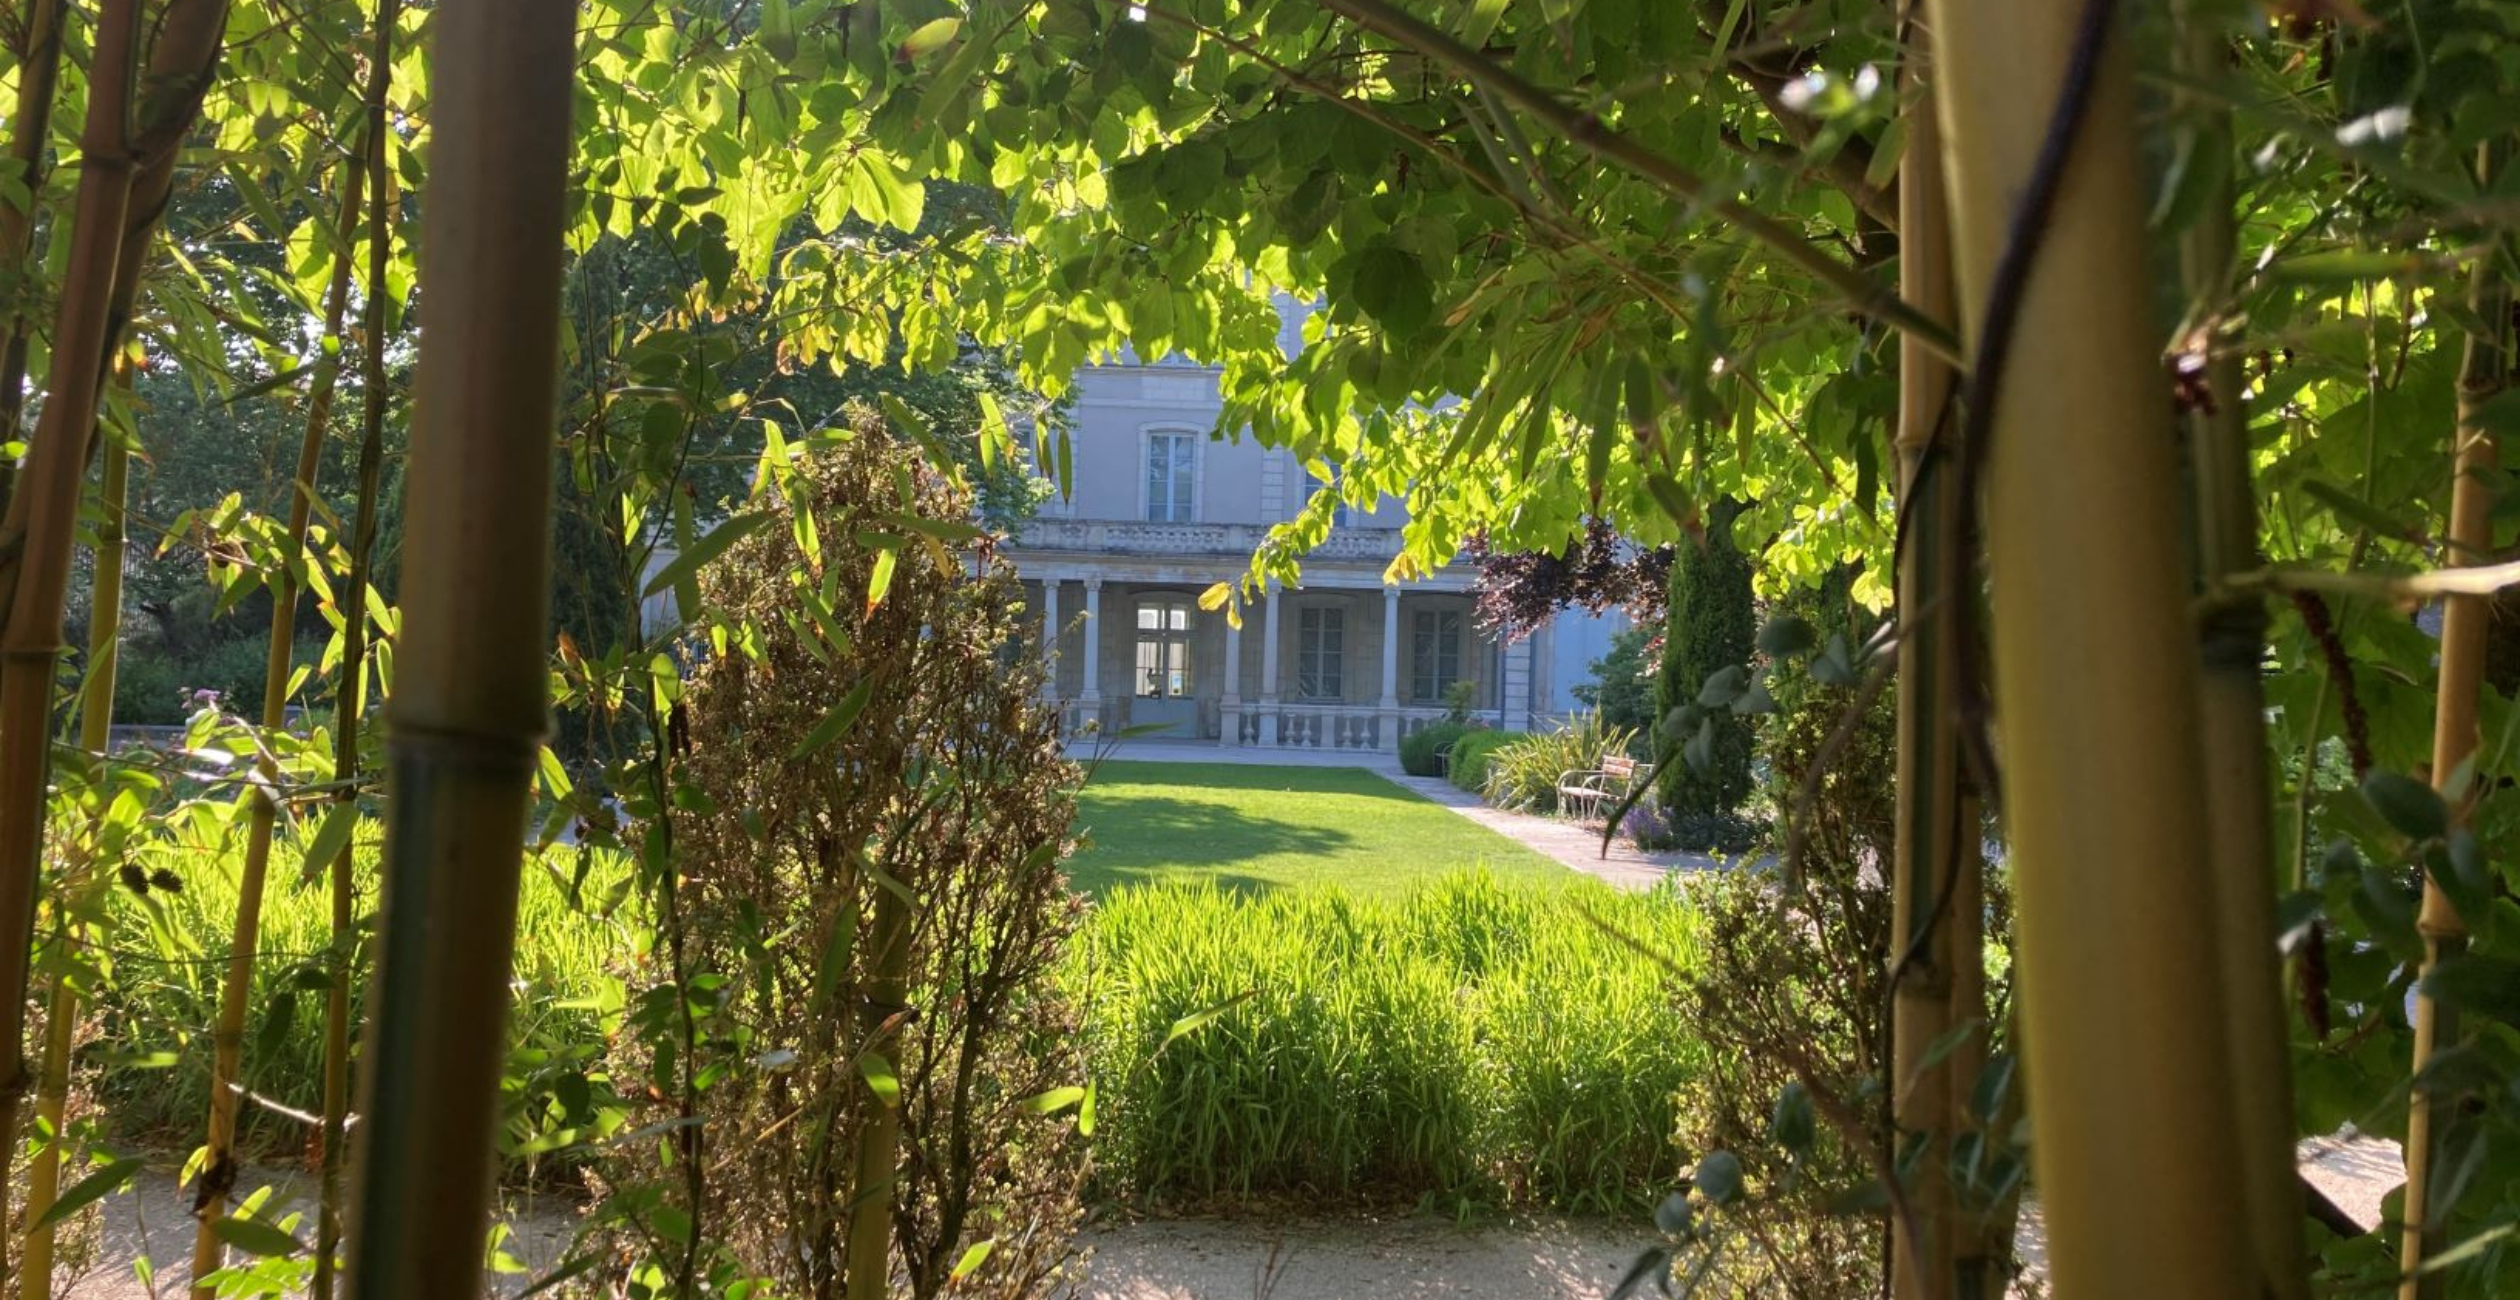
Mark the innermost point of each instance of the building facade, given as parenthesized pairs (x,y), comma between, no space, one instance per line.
(1160,512)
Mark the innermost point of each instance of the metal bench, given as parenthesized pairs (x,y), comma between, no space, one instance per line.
(1587,795)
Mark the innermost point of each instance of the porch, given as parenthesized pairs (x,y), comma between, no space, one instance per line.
(1328,668)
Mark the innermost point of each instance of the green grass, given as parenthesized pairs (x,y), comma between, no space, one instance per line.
(1467,1041)
(1257,829)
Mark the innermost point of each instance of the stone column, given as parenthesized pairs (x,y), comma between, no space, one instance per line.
(1050,638)
(1090,698)
(1387,727)
(1518,702)
(1230,730)
(1269,637)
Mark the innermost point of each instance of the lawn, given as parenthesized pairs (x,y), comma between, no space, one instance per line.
(1261,828)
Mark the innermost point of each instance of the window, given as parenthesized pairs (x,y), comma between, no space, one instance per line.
(1339,508)
(1434,653)
(1320,658)
(1163,649)
(1172,477)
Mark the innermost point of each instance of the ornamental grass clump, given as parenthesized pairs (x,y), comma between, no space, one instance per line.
(1473,1044)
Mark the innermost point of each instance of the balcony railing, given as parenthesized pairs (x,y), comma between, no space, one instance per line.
(1128,537)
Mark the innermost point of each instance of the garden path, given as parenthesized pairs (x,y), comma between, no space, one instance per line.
(1577,846)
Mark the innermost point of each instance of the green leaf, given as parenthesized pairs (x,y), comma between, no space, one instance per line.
(929,36)
(1085,1111)
(1793,1125)
(1053,1101)
(331,836)
(880,1078)
(2411,807)
(838,720)
(880,581)
(689,562)
(1197,1020)
(91,1189)
(256,1236)
(1719,1177)
(1390,286)
(973,1258)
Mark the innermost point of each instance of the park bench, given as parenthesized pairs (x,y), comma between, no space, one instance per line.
(1587,795)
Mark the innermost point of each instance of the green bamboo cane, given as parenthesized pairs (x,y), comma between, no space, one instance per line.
(469,708)
(61,1014)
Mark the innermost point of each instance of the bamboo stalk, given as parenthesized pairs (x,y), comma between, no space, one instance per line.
(2484,372)
(61,1014)
(228,1036)
(469,706)
(2232,726)
(48,496)
(2095,676)
(352,699)
(39,72)
(870,1192)
(1935,930)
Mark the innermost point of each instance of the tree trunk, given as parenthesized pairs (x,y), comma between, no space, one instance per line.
(2095,676)
(2484,372)
(469,706)
(61,1014)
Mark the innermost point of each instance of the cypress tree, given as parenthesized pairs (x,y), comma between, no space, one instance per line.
(1709,625)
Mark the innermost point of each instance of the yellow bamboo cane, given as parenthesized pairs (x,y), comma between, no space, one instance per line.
(228,1036)
(1936,911)
(48,499)
(39,68)
(469,706)
(349,712)
(61,1014)
(2095,674)
(2484,371)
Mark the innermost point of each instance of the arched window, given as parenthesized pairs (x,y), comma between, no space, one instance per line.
(1163,648)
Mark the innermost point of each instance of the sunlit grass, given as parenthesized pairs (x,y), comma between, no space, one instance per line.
(1256,829)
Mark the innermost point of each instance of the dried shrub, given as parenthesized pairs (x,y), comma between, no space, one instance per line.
(870,812)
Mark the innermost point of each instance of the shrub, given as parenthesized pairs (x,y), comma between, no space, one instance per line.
(1473,1043)
(861,947)
(1622,687)
(1422,750)
(1525,774)
(1711,627)
(1470,756)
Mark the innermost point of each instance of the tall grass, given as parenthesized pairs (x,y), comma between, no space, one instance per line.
(1473,1043)
(153,1047)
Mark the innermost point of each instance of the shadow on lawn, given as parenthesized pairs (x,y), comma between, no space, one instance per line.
(1159,840)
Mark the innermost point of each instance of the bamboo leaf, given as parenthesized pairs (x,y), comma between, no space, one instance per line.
(880,1078)
(331,836)
(973,1258)
(836,721)
(1053,1101)
(688,563)
(1197,1020)
(256,1237)
(91,1189)
(880,581)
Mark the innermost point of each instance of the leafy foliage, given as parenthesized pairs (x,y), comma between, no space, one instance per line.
(1472,753)
(1525,775)
(1423,751)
